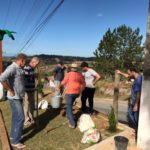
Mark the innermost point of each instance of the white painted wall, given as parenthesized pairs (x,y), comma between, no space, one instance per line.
(144,117)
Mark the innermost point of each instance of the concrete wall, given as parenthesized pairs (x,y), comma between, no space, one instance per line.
(144,118)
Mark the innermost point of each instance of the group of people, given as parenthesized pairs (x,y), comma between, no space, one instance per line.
(83,84)
(74,84)
(19,81)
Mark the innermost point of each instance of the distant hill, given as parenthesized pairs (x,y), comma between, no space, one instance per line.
(51,58)
(65,58)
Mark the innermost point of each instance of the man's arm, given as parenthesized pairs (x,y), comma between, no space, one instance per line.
(4,77)
(8,88)
(97,78)
(122,73)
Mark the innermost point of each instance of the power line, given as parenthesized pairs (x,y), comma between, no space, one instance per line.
(19,12)
(31,29)
(7,13)
(40,27)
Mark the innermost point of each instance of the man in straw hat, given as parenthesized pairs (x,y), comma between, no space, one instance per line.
(75,84)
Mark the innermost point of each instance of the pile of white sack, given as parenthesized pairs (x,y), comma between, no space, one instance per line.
(91,134)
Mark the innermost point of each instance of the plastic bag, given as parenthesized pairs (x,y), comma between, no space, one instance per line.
(91,136)
(85,123)
(43,104)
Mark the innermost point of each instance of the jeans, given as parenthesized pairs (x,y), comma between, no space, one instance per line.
(17,120)
(70,98)
(133,118)
(88,93)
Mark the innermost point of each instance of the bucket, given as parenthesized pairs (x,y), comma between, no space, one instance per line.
(121,142)
(56,101)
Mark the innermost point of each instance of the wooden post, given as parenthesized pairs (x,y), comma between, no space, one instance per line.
(1,60)
(37,109)
(3,134)
(116,95)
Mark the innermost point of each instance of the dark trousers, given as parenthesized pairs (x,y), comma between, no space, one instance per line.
(88,93)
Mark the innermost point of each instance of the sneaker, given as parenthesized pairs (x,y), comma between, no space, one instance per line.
(27,123)
(18,146)
(32,122)
(71,126)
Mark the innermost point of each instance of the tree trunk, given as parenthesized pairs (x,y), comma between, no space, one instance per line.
(116,95)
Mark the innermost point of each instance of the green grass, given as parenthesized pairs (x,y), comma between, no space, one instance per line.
(62,138)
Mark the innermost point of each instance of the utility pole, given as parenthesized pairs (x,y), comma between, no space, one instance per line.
(2,33)
(143,139)
(1,59)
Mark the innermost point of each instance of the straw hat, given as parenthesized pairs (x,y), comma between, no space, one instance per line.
(74,65)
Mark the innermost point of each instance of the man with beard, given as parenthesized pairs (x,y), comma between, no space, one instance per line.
(133,112)
(12,80)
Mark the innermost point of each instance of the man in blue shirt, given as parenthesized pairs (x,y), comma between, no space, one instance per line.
(58,74)
(133,113)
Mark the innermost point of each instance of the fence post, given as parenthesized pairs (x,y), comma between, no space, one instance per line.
(116,95)
(3,134)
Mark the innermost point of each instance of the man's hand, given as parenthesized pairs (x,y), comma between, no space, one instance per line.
(52,78)
(93,82)
(122,73)
(118,71)
(135,108)
(11,93)
(57,89)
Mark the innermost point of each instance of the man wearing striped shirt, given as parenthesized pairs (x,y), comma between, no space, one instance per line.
(29,103)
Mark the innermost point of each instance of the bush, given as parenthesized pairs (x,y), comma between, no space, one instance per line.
(112,120)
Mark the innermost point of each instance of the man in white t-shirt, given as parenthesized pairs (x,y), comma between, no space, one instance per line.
(91,77)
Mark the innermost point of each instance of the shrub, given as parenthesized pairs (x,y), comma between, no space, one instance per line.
(112,120)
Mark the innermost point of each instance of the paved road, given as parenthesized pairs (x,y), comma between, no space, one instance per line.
(103,105)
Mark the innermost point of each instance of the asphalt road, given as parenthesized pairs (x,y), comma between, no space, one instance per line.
(103,105)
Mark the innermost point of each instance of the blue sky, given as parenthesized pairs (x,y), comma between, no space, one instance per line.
(75,29)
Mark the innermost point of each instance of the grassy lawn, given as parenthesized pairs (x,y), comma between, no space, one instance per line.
(61,137)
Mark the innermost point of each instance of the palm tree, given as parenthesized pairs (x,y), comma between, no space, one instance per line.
(2,33)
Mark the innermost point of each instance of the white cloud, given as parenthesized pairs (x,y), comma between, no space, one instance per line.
(99,14)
